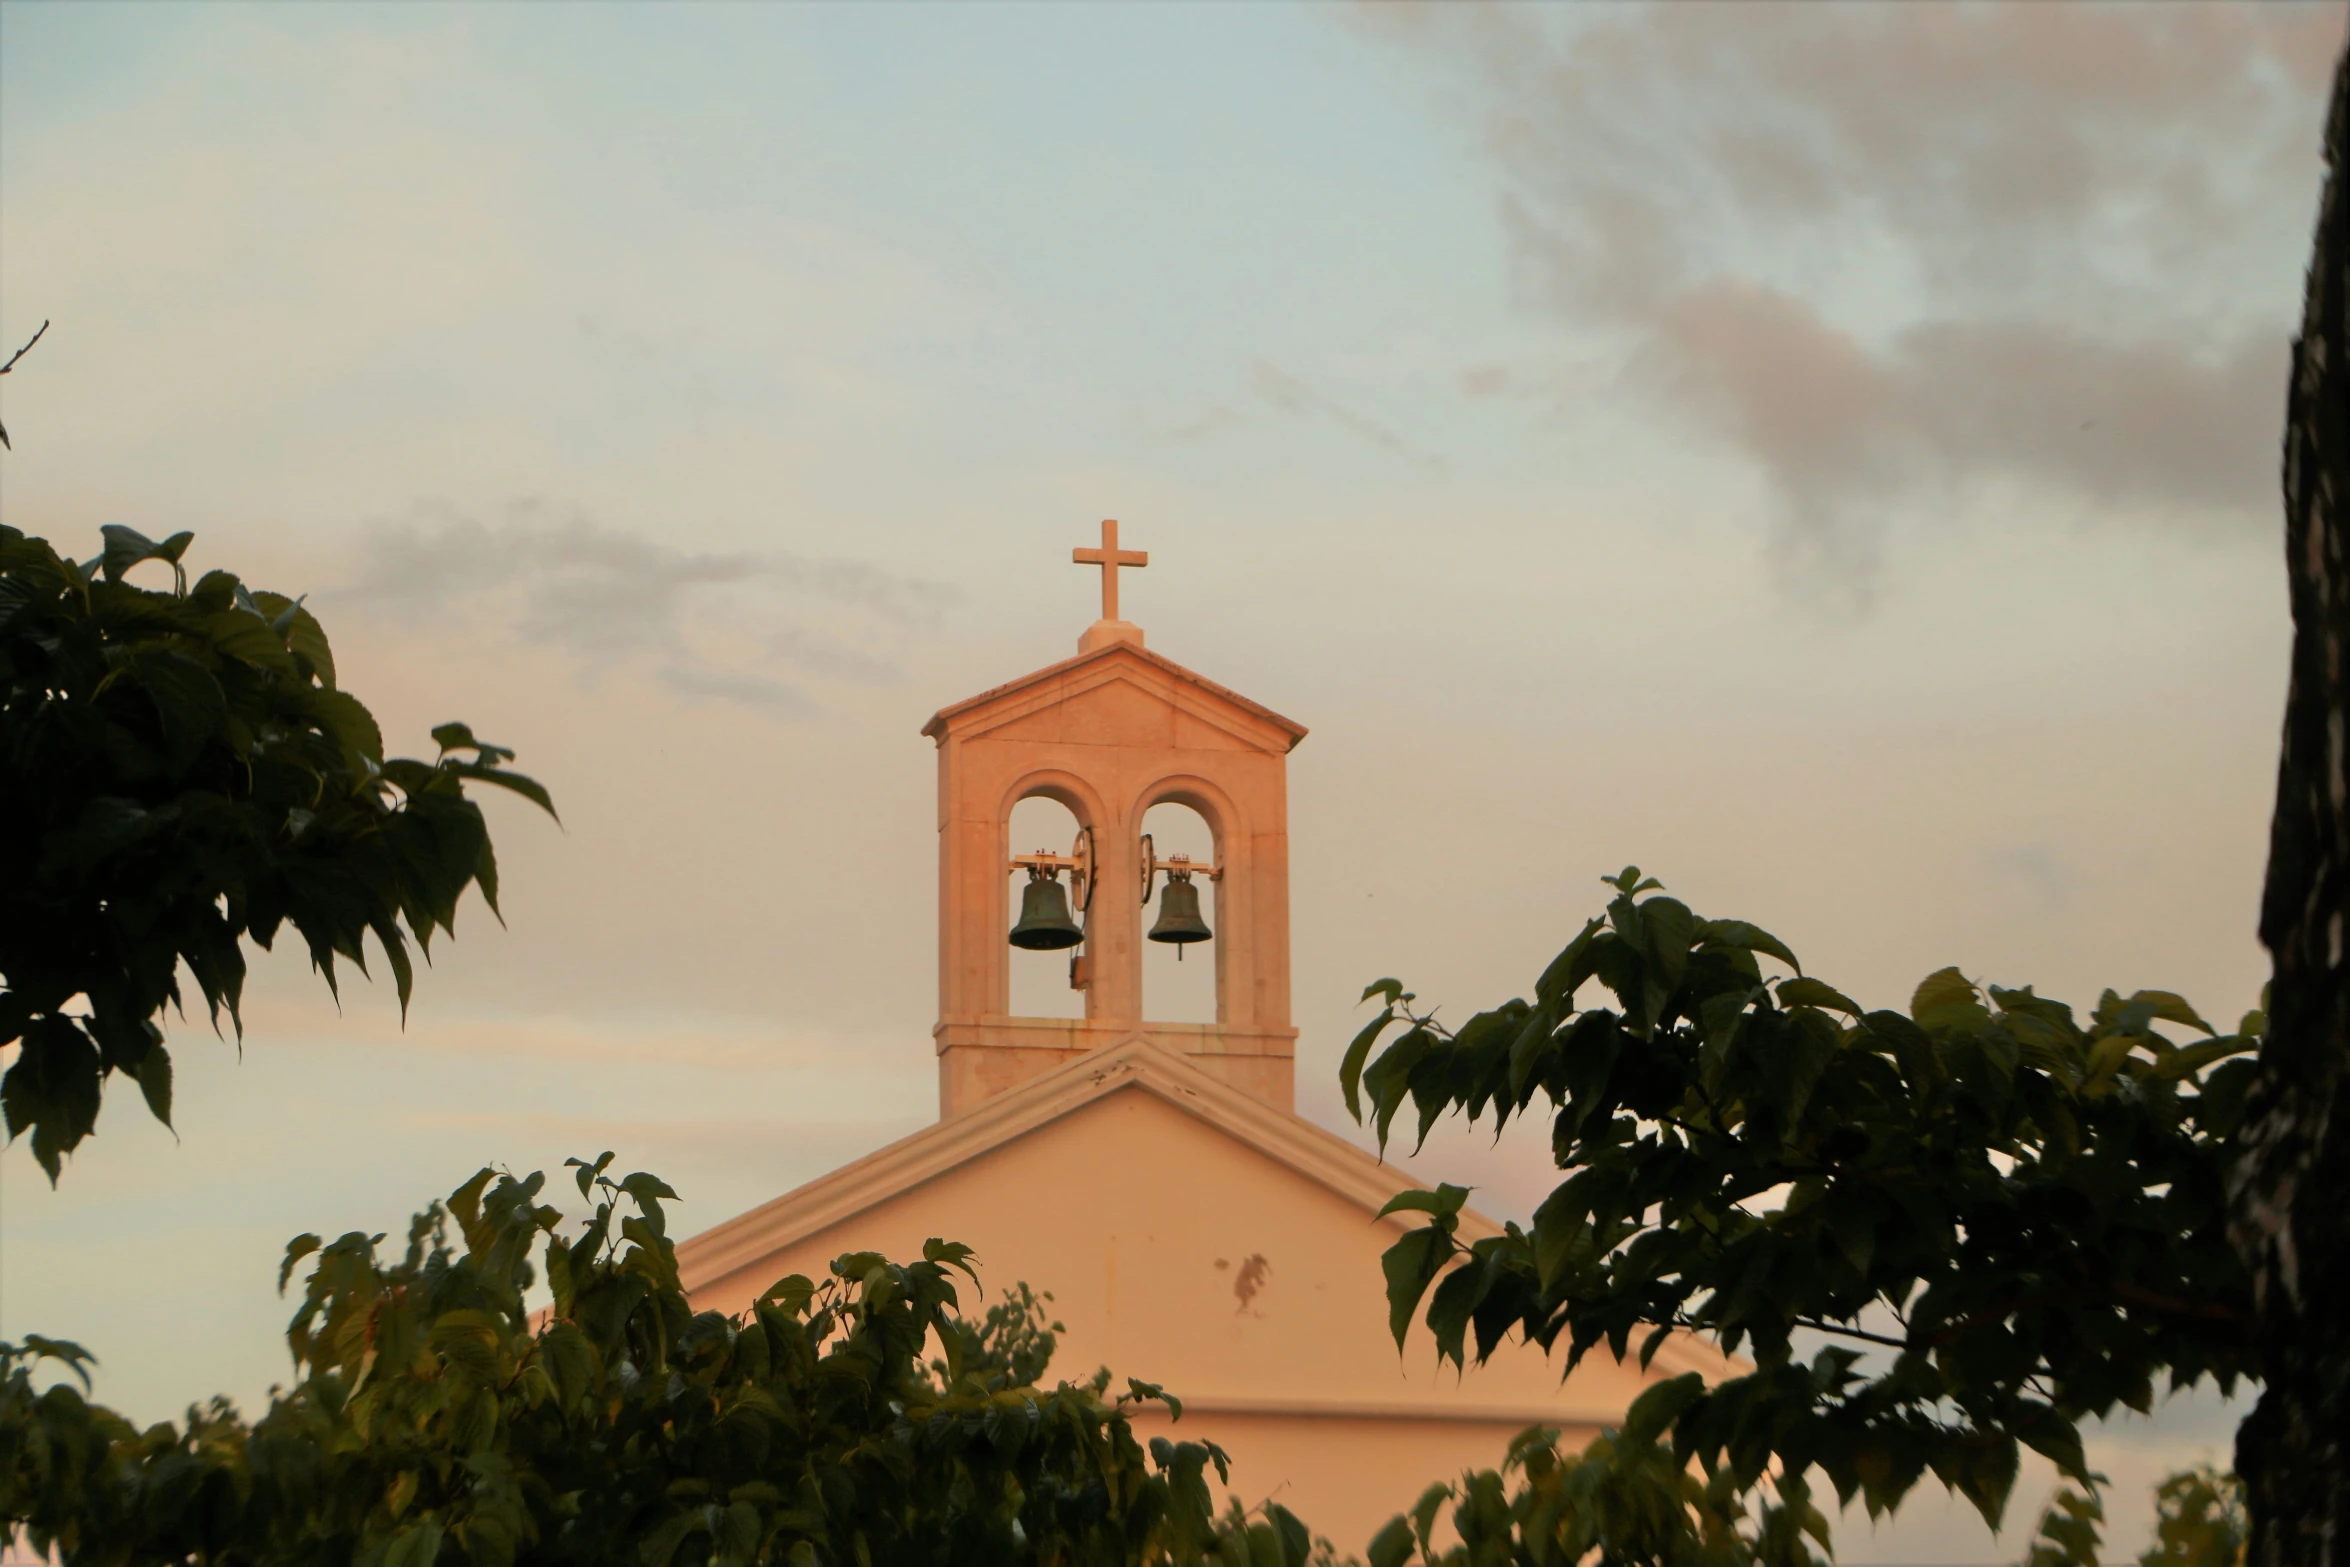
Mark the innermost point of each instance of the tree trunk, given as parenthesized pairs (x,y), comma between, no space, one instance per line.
(2291,1189)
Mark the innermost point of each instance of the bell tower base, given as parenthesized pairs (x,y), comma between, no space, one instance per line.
(983,1057)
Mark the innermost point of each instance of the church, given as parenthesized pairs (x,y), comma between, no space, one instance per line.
(1153,1177)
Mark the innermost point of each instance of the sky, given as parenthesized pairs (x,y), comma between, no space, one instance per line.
(1824,454)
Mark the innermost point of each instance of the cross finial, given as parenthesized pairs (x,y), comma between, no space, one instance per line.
(1109,557)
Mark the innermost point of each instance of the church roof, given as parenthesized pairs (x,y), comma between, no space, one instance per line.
(1321,1157)
(1056,674)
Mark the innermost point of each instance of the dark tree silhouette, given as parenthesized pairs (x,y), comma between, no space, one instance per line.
(2291,1190)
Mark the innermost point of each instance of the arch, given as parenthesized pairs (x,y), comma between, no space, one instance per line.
(1234,900)
(1083,801)
(1057,783)
(1183,984)
(1215,807)
(1036,984)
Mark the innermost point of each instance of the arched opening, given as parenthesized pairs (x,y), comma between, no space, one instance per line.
(1040,980)
(1179,982)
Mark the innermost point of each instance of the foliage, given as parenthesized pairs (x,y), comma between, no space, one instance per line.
(1624,1497)
(437,1419)
(2024,1209)
(179,771)
(2199,1522)
(2071,1529)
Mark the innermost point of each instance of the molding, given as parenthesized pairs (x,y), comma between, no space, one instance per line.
(1245,730)
(1079,1035)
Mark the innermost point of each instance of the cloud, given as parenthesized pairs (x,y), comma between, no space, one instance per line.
(1846,433)
(713,625)
(1891,253)
(1293,396)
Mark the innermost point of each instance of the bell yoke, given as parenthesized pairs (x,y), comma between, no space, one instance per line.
(1046,924)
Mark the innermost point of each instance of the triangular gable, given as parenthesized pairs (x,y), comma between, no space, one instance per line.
(1190,693)
(1321,1157)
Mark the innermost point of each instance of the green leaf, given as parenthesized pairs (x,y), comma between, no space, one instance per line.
(1411,1265)
(1444,1201)
(1947,999)
(188,700)
(662,1543)
(1350,1068)
(1655,1411)
(415,1546)
(1151,1392)
(1671,931)
(571,1361)
(75,1358)
(1394,1544)
(2053,1437)
(2170,1008)
(1803,992)
(1565,974)
(296,1249)
(154,1076)
(529,788)
(458,737)
(347,719)
(1746,938)
(127,547)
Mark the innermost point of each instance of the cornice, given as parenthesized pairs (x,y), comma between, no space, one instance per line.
(954,718)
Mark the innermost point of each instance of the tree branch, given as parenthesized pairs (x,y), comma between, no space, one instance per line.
(1863,1334)
(20,353)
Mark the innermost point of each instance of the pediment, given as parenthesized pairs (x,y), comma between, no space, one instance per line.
(1121,711)
(1119,695)
(1092,1116)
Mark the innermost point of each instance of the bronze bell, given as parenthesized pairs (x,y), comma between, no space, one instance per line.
(1179,919)
(1045,925)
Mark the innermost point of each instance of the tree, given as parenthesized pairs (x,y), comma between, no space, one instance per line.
(2292,1188)
(2035,1206)
(437,1418)
(180,772)
(2007,1219)
(1622,1497)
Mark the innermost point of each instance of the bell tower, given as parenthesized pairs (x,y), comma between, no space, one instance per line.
(1109,734)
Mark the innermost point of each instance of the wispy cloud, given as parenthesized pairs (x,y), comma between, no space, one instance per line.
(1890,252)
(725,626)
(1291,395)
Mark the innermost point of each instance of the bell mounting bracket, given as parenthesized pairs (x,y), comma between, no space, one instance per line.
(1174,865)
(1078,861)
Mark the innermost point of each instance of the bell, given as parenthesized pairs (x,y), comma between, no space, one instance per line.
(1045,925)
(1179,919)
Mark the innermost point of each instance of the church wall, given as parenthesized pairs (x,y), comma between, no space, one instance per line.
(1180,1255)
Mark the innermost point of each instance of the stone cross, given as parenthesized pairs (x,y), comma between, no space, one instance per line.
(1109,557)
